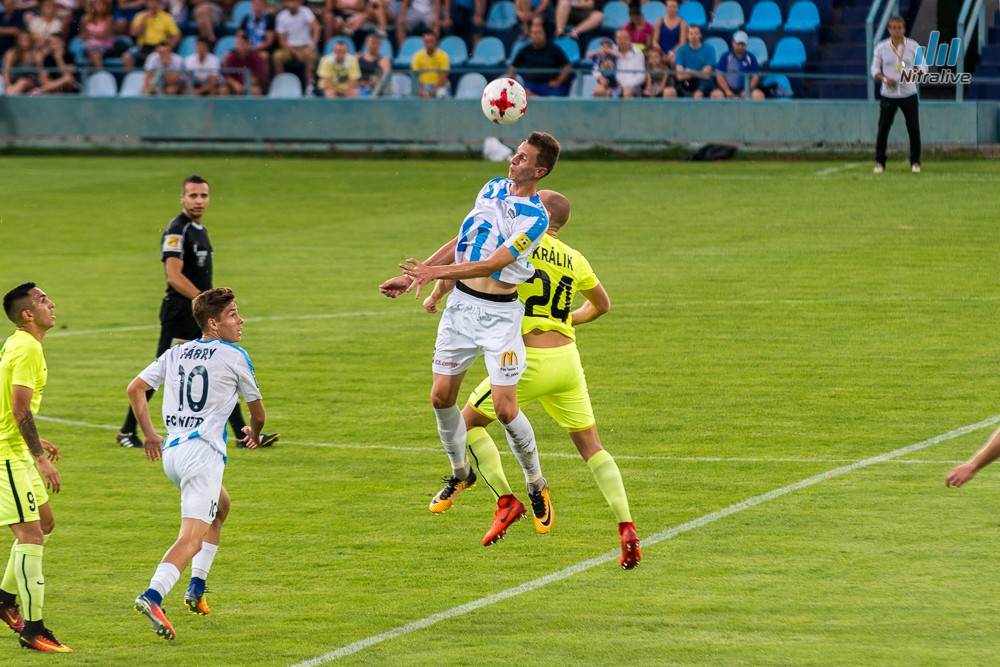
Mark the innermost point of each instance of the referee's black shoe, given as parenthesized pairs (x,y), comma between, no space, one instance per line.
(130,440)
(266,440)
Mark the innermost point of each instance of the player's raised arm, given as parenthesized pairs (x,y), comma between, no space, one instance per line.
(402,284)
(423,273)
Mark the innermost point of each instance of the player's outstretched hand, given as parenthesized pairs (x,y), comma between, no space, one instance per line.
(152,444)
(51,451)
(960,475)
(395,286)
(420,272)
(252,441)
(49,473)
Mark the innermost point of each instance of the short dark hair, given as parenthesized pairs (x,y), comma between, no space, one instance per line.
(192,179)
(548,150)
(16,300)
(209,305)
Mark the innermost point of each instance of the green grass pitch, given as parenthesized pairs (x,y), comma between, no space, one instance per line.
(771,321)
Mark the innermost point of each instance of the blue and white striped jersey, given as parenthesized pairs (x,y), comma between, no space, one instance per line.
(202,381)
(501,220)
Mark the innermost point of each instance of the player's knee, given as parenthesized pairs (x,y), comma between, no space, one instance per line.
(506,413)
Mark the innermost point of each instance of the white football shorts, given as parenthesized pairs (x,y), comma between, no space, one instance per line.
(197,471)
(470,325)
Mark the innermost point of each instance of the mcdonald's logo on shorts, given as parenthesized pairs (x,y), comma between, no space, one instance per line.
(508,359)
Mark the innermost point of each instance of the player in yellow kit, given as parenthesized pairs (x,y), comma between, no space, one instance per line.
(554,377)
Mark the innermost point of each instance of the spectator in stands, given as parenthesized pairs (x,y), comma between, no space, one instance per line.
(892,57)
(605,58)
(20,66)
(70,12)
(347,17)
(339,72)
(528,11)
(418,15)
(732,68)
(202,68)
(434,65)
(466,19)
(97,30)
(670,33)
(11,23)
(259,27)
(124,13)
(243,58)
(695,66)
(150,28)
(544,66)
(163,71)
(578,17)
(657,76)
(640,31)
(629,76)
(298,31)
(57,68)
(374,67)
(209,15)
(45,26)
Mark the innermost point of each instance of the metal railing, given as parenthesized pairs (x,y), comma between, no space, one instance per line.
(977,8)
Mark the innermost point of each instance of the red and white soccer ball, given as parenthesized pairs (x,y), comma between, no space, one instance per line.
(504,101)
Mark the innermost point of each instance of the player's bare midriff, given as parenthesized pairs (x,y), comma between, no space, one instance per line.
(489,285)
(537,338)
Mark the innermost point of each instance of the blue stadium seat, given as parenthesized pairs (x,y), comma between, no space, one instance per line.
(285,86)
(727,19)
(653,10)
(328,48)
(571,48)
(518,45)
(777,86)
(100,84)
(186,47)
(693,13)
(132,84)
(789,55)
(803,22)
(719,45)
(758,48)
(224,45)
(470,86)
(585,87)
(489,52)
(455,47)
(615,15)
(401,85)
(240,11)
(386,49)
(765,17)
(501,18)
(410,46)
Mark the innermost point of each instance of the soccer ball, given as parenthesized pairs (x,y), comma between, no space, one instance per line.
(504,101)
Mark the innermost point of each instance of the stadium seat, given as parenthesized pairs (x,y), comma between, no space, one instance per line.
(571,48)
(489,52)
(224,46)
(186,47)
(615,16)
(285,86)
(240,11)
(789,55)
(693,13)
(455,47)
(132,84)
(803,22)
(653,10)
(518,45)
(727,19)
(402,85)
(78,48)
(758,48)
(328,48)
(100,84)
(386,49)
(470,86)
(1,86)
(585,88)
(777,86)
(719,45)
(501,18)
(410,46)
(765,17)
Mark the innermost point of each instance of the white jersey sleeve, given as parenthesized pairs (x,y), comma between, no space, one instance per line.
(202,381)
(501,220)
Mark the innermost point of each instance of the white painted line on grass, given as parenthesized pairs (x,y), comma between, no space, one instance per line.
(837,170)
(610,556)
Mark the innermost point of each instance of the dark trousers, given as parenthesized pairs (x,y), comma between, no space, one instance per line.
(182,327)
(910,106)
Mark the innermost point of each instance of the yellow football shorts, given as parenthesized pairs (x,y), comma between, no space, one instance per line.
(22,492)
(554,378)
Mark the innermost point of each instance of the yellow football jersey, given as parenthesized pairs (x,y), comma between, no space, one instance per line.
(560,272)
(21,363)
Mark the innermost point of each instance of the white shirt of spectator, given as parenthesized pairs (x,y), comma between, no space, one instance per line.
(885,60)
(201,70)
(631,69)
(297,28)
(153,62)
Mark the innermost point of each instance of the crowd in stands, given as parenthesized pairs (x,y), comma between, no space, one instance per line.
(346,48)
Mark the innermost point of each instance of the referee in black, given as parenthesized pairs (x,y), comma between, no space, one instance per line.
(187,259)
